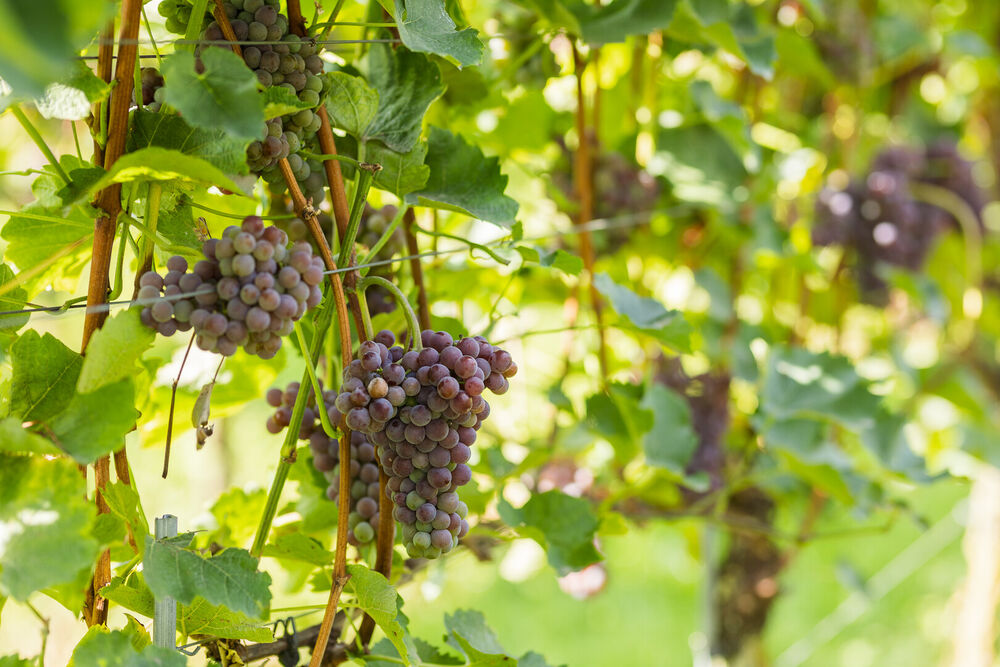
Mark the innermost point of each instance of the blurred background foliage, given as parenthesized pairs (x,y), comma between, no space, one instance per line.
(779,468)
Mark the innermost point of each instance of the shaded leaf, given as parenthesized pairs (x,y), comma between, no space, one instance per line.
(100,648)
(45,372)
(223,97)
(425,26)
(12,299)
(672,440)
(298,546)
(377,598)
(463,179)
(351,103)
(566,262)
(71,98)
(615,21)
(279,101)
(113,350)
(87,438)
(15,439)
(401,173)
(565,526)
(406,83)
(230,578)
(217,147)
(648,315)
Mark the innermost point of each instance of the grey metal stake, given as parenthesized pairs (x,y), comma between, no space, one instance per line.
(165,609)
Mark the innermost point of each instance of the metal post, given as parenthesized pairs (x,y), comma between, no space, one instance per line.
(165,609)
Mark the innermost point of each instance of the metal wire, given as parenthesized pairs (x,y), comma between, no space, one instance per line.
(598,224)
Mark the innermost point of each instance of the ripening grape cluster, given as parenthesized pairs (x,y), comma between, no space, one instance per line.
(152,88)
(248,291)
(364,515)
(290,63)
(881,220)
(422,409)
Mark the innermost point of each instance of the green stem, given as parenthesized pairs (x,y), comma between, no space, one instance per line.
(137,84)
(76,140)
(366,172)
(193,31)
(317,390)
(386,235)
(119,262)
(148,233)
(37,139)
(152,219)
(472,245)
(411,318)
(958,208)
(330,22)
(152,41)
(330,156)
(292,434)
(399,661)
(235,216)
(366,316)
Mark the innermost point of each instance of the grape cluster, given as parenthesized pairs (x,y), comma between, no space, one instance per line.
(880,219)
(248,291)
(364,515)
(291,63)
(422,409)
(152,88)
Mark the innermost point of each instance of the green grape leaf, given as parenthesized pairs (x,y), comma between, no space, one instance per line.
(123,501)
(463,179)
(223,97)
(352,103)
(47,233)
(162,164)
(12,299)
(217,147)
(532,659)
(298,546)
(40,40)
(114,350)
(87,439)
(647,315)
(236,512)
(425,26)
(377,598)
(800,383)
(742,36)
(279,101)
(565,527)
(15,439)
(138,635)
(701,165)
(616,416)
(71,98)
(230,578)
(406,84)
(47,523)
(672,440)
(566,262)
(177,218)
(468,632)
(709,11)
(401,173)
(100,648)
(615,21)
(44,376)
(16,661)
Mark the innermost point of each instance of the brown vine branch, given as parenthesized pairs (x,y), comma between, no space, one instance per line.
(109,201)
(105,57)
(423,309)
(303,637)
(583,178)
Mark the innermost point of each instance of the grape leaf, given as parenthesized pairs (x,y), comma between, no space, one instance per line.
(401,173)
(71,98)
(41,39)
(46,232)
(123,501)
(615,415)
(47,523)
(351,103)
(230,578)
(16,661)
(468,632)
(566,262)
(406,84)
(113,351)
(377,598)
(100,648)
(424,25)
(615,21)
(646,314)
(14,438)
(463,179)
(700,164)
(672,440)
(223,97)
(44,376)
(12,299)
(87,439)
(279,101)
(565,527)
(298,546)
(709,11)
(217,147)
(161,164)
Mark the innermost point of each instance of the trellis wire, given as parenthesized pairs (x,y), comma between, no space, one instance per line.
(597,224)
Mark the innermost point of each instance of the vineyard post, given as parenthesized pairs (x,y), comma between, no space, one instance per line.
(165,608)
